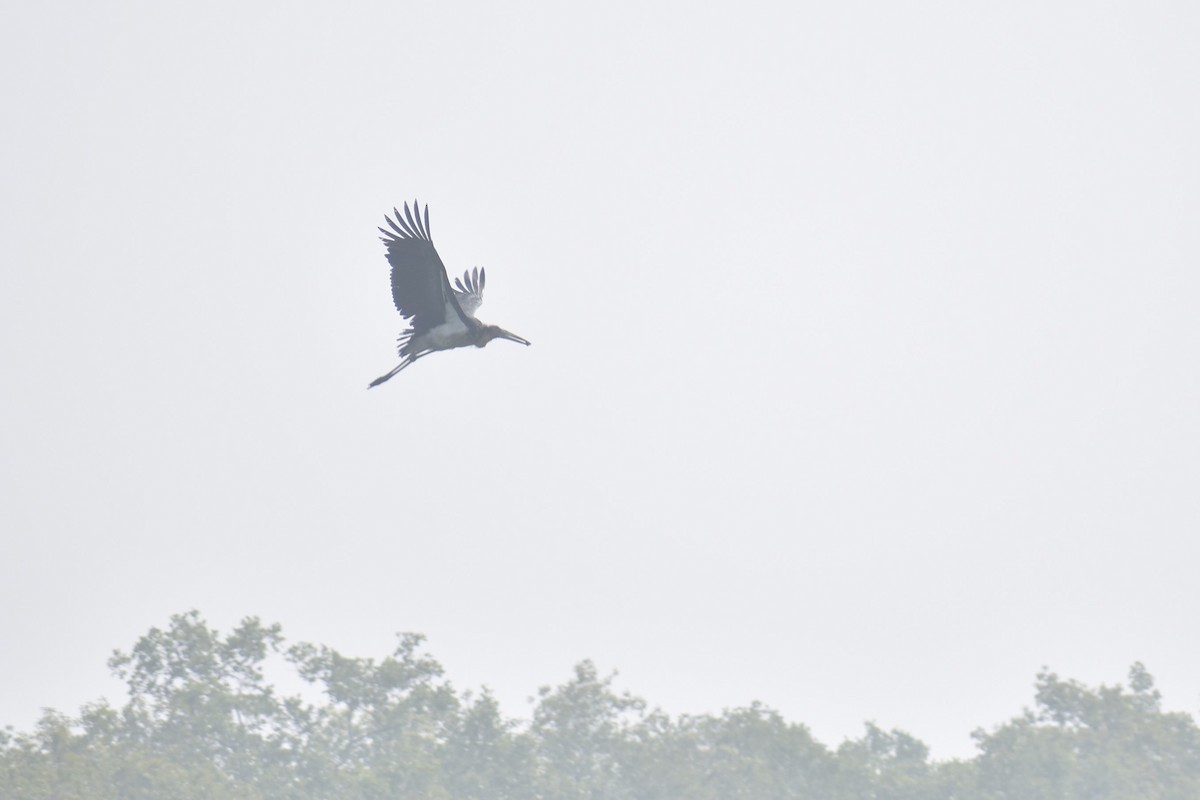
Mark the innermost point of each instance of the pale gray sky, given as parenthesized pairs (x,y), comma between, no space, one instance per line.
(864,369)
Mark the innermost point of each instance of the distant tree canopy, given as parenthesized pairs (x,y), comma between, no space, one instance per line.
(202,721)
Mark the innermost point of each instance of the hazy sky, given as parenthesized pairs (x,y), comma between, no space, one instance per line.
(864,378)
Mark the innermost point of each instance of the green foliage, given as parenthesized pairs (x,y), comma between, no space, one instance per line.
(203,722)
(1108,743)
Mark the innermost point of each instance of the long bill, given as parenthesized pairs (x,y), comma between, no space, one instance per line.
(512,337)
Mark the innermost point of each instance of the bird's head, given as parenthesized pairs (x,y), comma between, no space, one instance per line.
(489,332)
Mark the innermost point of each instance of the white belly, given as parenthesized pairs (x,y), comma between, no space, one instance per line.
(444,337)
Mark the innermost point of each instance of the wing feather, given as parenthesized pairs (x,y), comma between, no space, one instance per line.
(420,288)
(469,291)
(412,226)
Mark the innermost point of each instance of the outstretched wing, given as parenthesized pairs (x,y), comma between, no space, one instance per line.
(469,290)
(420,288)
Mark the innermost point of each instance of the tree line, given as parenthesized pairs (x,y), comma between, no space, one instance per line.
(202,721)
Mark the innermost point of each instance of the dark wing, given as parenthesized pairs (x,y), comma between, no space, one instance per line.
(469,290)
(420,288)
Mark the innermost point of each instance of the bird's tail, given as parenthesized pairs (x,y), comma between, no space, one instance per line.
(407,360)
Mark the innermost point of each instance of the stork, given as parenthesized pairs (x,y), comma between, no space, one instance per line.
(439,317)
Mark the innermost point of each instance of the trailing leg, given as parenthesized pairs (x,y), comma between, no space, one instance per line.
(407,360)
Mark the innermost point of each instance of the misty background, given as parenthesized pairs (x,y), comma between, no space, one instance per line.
(863,378)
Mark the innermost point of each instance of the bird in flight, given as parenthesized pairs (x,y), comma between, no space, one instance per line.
(439,317)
